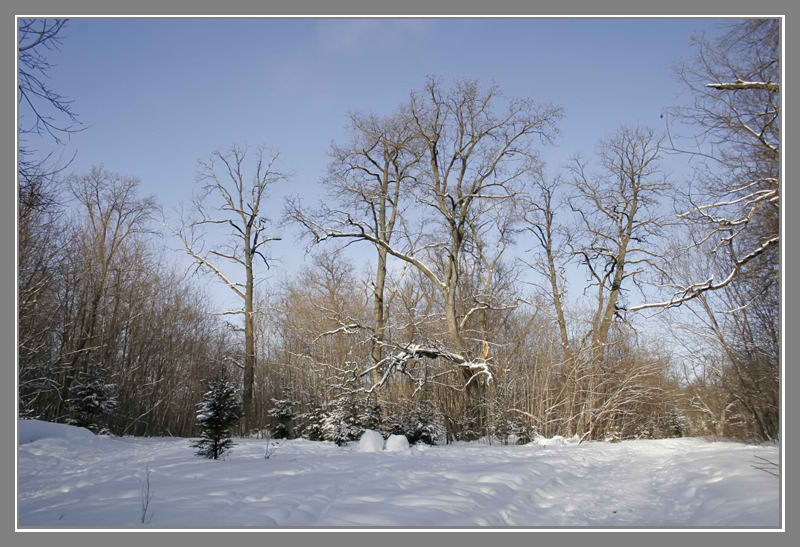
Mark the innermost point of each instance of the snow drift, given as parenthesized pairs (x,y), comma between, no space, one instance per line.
(34,430)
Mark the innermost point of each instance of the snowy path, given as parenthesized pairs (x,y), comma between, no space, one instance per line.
(681,482)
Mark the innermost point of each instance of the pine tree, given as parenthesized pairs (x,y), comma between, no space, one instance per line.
(283,414)
(341,422)
(523,432)
(675,423)
(501,428)
(341,434)
(220,409)
(425,425)
(369,414)
(312,423)
(420,423)
(469,428)
(93,399)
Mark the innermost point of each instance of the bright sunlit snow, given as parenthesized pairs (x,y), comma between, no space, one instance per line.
(69,477)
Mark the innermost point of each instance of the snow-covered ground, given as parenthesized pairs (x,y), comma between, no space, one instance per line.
(69,477)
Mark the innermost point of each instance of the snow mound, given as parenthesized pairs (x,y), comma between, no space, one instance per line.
(371,441)
(34,430)
(397,443)
(557,440)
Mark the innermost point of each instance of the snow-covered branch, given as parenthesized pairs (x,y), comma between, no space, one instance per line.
(693,291)
(740,84)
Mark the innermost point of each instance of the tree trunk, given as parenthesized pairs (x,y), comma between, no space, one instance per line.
(250,347)
(379,312)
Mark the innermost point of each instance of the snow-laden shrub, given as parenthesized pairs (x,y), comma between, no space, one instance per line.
(219,410)
(371,441)
(613,435)
(397,443)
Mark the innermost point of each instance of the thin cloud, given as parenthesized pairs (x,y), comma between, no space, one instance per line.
(336,36)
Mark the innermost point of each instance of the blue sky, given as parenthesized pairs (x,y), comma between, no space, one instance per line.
(157,94)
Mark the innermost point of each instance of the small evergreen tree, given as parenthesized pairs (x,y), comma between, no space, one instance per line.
(425,424)
(394,423)
(312,423)
(283,415)
(93,399)
(523,431)
(341,434)
(468,428)
(220,409)
(341,422)
(676,423)
(420,423)
(369,415)
(502,428)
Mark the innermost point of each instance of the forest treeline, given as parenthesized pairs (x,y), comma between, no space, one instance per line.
(504,298)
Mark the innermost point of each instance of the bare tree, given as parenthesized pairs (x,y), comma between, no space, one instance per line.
(42,110)
(367,179)
(621,220)
(228,198)
(479,148)
(550,262)
(34,38)
(475,147)
(553,240)
(110,336)
(733,342)
(40,210)
(41,238)
(735,82)
(112,216)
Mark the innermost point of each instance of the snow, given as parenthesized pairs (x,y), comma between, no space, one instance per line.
(397,443)
(371,441)
(35,430)
(557,440)
(69,477)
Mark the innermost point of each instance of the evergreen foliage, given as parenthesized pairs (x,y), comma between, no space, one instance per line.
(311,423)
(468,428)
(93,399)
(340,423)
(369,416)
(676,423)
(283,414)
(220,409)
(421,423)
